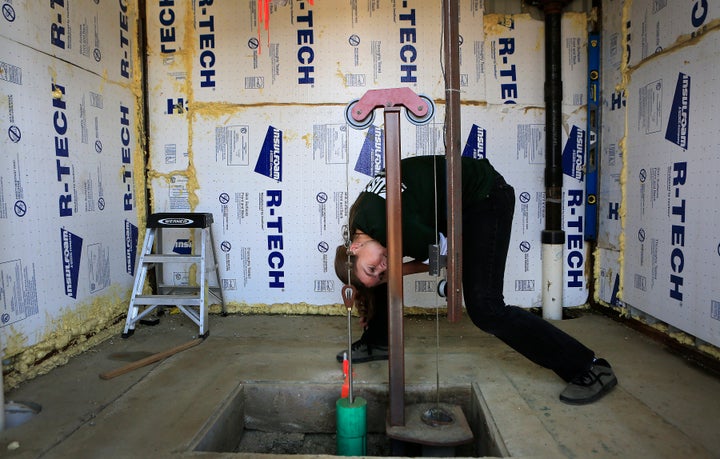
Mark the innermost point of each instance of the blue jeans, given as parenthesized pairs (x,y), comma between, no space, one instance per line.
(486,237)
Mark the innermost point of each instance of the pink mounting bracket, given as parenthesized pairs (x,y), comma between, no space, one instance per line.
(361,113)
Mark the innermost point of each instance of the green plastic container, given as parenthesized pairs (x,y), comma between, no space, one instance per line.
(351,427)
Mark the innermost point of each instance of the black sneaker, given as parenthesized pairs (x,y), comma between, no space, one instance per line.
(591,385)
(364,352)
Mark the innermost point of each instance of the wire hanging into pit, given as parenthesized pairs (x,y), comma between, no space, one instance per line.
(348,291)
(437,305)
(437,416)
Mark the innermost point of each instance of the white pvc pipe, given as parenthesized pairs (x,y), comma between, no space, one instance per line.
(552,275)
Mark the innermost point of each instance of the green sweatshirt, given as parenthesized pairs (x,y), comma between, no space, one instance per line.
(418,201)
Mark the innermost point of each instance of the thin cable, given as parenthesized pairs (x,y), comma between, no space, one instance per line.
(437,306)
(349,308)
(437,276)
(350,368)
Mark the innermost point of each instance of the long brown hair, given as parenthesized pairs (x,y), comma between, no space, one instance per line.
(344,259)
(345,263)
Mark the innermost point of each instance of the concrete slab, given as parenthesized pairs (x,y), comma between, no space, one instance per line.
(662,407)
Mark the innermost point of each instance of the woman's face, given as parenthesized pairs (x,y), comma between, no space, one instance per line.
(370,263)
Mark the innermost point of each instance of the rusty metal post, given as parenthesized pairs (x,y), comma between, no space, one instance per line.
(451,51)
(396,341)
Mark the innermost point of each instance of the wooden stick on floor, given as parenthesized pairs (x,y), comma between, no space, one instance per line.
(150,359)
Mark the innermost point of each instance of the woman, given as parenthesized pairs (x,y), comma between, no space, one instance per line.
(488,207)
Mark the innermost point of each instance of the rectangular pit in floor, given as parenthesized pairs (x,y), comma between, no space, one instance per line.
(299,418)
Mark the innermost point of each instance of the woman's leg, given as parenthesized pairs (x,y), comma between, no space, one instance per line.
(486,237)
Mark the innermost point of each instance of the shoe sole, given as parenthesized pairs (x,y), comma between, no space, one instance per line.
(585,401)
(370,358)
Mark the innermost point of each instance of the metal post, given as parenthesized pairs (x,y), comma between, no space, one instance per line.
(396,341)
(451,51)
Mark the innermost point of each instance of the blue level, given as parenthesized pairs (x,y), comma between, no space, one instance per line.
(593,129)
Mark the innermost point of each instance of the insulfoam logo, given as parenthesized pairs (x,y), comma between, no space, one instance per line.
(131,240)
(372,154)
(475,145)
(71,251)
(679,120)
(269,162)
(183,247)
(573,157)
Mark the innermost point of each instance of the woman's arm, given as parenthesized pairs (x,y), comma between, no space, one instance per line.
(414,267)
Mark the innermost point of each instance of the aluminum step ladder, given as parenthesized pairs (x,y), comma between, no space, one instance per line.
(189,299)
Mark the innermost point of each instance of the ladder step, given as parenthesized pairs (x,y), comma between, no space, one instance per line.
(170,289)
(171,258)
(168,300)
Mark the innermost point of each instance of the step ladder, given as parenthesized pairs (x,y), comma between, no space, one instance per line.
(189,299)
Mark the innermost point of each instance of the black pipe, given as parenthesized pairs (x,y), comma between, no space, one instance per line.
(553,233)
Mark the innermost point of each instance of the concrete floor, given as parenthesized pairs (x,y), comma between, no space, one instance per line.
(663,407)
